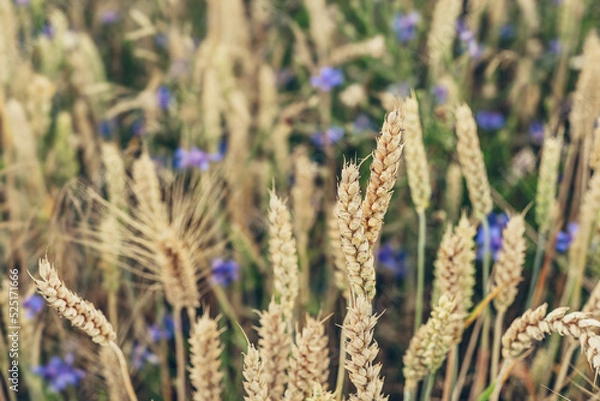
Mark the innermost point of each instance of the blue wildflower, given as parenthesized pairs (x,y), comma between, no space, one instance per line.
(161,40)
(555,47)
(496,223)
(327,79)
(48,31)
(138,128)
(60,374)
(329,137)
(22,2)
(140,355)
(109,17)
(163,97)
(564,238)
(468,40)
(362,123)
(489,120)
(33,305)
(405,26)
(195,158)
(441,94)
(392,259)
(164,331)
(507,31)
(224,272)
(536,132)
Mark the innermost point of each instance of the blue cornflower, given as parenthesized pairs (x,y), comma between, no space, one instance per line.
(109,17)
(441,94)
(555,46)
(195,158)
(140,355)
(163,97)
(224,272)
(33,305)
(489,120)
(48,31)
(536,132)
(405,26)
(564,238)
(163,332)
(468,40)
(327,79)
(138,128)
(362,123)
(329,137)
(60,374)
(392,259)
(496,223)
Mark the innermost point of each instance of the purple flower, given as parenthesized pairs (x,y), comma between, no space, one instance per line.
(555,47)
(109,17)
(496,223)
(48,31)
(60,374)
(328,138)
(33,305)
(138,128)
(163,97)
(401,89)
(163,332)
(468,39)
(489,120)
(225,272)
(195,158)
(441,94)
(564,238)
(22,2)
(536,132)
(140,355)
(327,79)
(392,259)
(362,123)
(405,26)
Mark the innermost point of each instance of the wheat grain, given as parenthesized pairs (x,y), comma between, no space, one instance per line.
(384,168)
(274,348)
(415,156)
(507,269)
(255,382)
(471,161)
(82,314)
(362,350)
(359,259)
(205,349)
(283,255)
(309,362)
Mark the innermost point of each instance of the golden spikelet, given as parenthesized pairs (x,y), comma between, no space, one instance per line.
(255,381)
(453,194)
(309,362)
(82,314)
(146,188)
(283,255)
(337,254)
(471,161)
(362,350)
(359,260)
(384,168)
(115,177)
(274,348)
(178,274)
(545,198)
(442,34)
(205,353)
(373,47)
(319,394)
(508,267)
(415,156)
(430,344)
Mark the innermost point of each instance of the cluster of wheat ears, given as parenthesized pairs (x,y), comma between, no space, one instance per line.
(174,234)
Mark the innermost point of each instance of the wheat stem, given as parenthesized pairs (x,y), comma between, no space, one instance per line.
(179,353)
(537,263)
(428,386)
(124,371)
(421,270)
(496,345)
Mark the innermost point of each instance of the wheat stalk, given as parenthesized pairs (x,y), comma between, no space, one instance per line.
(255,380)
(362,350)
(274,348)
(355,245)
(309,362)
(384,168)
(205,353)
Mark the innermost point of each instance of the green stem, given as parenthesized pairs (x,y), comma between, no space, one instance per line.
(496,346)
(537,263)
(426,395)
(420,270)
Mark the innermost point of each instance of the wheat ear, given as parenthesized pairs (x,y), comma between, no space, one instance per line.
(319,394)
(384,169)
(82,314)
(362,350)
(283,255)
(205,353)
(337,254)
(146,188)
(471,162)
(255,381)
(274,348)
(355,245)
(546,191)
(309,362)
